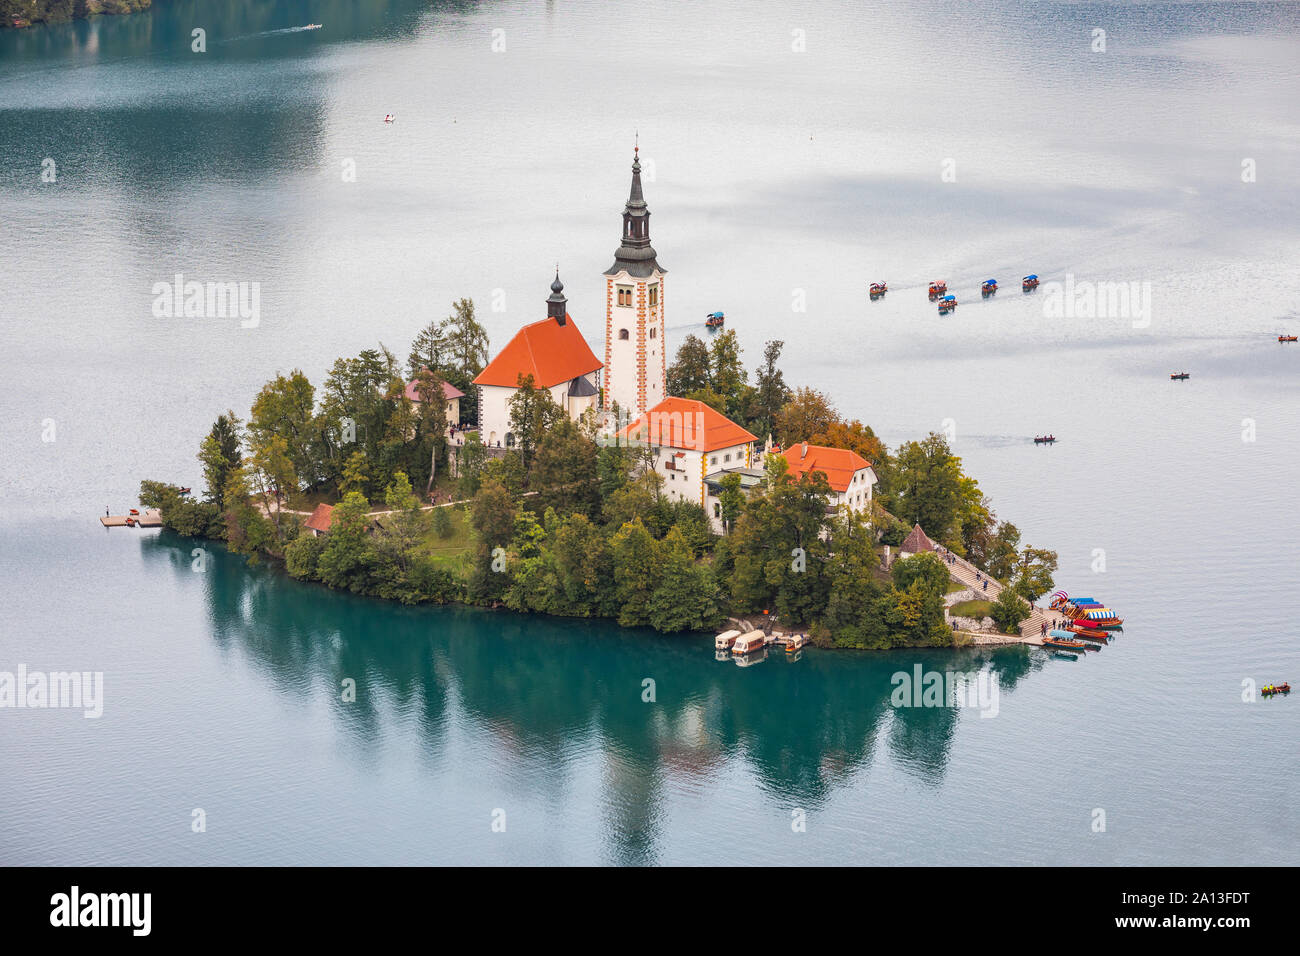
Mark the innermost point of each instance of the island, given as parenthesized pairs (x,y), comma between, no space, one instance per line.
(671,497)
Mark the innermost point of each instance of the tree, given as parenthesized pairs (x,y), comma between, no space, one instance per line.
(636,573)
(807,413)
(1001,556)
(691,370)
(584,567)
(727,373)
(532,412)
(219,454)
(273,472)
(346,559)
(565,469)
(770,391)
(686,597)
(427,350)
(356,473)
(401,529)
(356,409)
(471,458)
(1008,611)
(466,340)
(1033,573)
(465,354)
(778,551)
(492,515)
(248,532)
(432,432)
(441,522)
(853,616)
(926,488)
(285,408)
(928,569)
(731,500)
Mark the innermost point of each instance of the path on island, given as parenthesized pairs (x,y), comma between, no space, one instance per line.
(963,572)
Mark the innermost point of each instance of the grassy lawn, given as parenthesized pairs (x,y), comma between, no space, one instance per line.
(956,586)
(457,543)
(976,609)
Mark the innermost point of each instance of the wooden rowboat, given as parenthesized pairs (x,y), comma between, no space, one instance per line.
(1094,633)
(1062,644)
(1286,338)
(1179,376)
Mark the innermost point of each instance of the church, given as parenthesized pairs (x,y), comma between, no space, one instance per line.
(555,353)
(695,446)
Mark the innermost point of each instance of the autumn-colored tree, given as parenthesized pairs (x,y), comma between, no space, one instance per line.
(808,412)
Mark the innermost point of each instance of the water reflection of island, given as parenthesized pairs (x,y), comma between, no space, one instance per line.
(546,689)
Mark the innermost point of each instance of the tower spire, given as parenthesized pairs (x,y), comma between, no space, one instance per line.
(557,305)
(635,255)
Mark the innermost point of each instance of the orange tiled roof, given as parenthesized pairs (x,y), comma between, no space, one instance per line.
(321,518)
(684,423)
(838,464)
(551,353)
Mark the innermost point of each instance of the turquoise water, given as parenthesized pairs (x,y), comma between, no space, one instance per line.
(775,173)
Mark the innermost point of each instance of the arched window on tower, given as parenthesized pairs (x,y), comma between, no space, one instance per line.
(652,332)
(622,335)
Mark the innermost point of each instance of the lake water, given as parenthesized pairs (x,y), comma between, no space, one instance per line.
(794,153)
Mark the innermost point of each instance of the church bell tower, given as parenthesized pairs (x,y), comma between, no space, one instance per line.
(636,369)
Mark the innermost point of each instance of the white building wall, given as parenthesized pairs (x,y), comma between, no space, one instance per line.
(639,360)
(494,408)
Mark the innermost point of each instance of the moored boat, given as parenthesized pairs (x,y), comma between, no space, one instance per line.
(1061,635)
(724,640)
(1088,633)
(1065,644)
(749,642)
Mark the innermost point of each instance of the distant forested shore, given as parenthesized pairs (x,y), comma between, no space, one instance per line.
(25,13)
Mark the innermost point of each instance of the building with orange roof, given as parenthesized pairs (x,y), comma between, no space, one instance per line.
(691,441)
(851,476)
(320,520)
(557,357)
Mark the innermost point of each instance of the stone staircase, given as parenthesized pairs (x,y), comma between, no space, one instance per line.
(963,572)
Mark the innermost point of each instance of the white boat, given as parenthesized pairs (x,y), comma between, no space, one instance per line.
(724,640)
(749,642)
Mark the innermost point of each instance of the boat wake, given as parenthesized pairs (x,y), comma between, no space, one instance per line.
(274,33)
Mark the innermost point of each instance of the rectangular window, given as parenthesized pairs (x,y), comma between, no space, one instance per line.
(624,295)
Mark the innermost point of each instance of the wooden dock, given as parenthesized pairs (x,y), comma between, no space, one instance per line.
(149,518)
